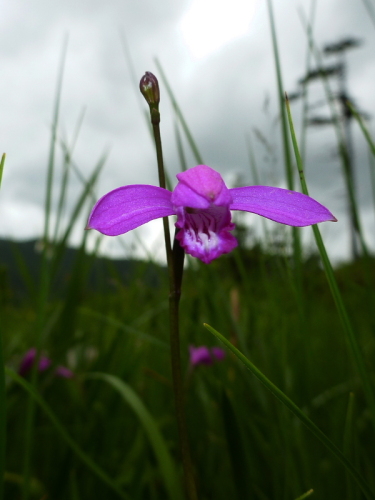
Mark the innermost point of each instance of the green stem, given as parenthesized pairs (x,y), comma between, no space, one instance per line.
(284,127)
(162,183)
(362,126)
(2,162)
(297,250)
(174,300)
(342,144)
(370,143)
(180,116)
(175,260)
(305,87)
(352,339)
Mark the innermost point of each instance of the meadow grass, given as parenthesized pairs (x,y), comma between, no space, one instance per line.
(304,329)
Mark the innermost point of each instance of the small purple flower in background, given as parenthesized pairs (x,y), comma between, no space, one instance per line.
(218,353)
(204,355)
(44,363)
(64,372)
(28,361)
(202,203)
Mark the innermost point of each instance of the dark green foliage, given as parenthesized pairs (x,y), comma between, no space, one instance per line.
(123,330)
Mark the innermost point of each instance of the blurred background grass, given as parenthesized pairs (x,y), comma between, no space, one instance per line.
(119,326)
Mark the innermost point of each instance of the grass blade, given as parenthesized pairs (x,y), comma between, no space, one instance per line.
(283,398)
(297,251)
(343,148)
(68,153)
(236,449)
(86,192)
(126,328)
(362,126)
(370,10)
(341,309)
(64,434)
(2,162)
(180,116)
(280,89)
(348,444)
(305,495)
(157,442)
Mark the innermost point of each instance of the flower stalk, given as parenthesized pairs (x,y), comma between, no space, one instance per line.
(175,259)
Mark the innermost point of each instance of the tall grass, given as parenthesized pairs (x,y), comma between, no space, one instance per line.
(108,432)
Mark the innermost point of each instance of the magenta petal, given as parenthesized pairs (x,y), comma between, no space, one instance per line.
(128,207)
(44,363)
(184,196)
(29,359)
(200,355)
(218,353)
(200,186)
(280,205)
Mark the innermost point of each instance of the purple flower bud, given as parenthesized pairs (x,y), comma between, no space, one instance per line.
(204,355)
(29,359)
(218,353)
(149,86)
(200,355)
(64,372)
(44,363)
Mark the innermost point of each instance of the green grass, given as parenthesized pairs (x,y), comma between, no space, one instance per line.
(260,314)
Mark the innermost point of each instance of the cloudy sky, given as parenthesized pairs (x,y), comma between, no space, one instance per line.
(218,58)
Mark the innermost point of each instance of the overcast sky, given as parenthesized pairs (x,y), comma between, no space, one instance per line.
(218,58)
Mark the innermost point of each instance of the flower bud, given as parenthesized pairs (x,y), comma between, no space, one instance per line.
(149,87)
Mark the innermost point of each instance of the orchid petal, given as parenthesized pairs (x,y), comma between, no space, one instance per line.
(199,187)
(128,207)
(200,355)
(280,205)
(218,353)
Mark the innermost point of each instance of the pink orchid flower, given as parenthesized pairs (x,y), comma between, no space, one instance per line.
(203,355)
(202,203)
(28,361)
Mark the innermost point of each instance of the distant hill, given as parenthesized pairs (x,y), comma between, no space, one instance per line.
(20,268)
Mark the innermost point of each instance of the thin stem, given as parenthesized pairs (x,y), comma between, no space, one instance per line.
(297,250)
(162,183)
(348,329)
(174,301)
(180,116)
(342,144)
(284,126)
(305,88)
(2,162)
(175,260)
